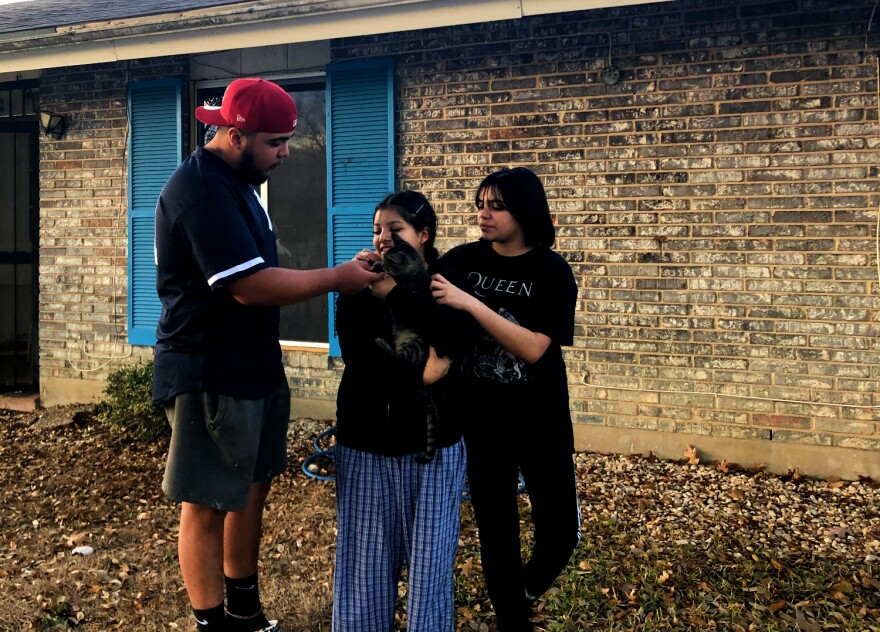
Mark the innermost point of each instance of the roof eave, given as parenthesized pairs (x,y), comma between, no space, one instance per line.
(248,25)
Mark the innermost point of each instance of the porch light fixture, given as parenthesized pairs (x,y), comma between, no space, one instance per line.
(53,124)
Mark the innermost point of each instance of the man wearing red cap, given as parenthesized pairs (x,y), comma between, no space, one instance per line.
(217,361)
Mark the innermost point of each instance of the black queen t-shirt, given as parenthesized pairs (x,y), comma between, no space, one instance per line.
(536,290)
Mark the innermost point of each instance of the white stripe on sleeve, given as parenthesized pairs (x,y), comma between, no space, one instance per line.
(242,266)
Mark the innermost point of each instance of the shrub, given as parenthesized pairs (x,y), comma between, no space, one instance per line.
(129,406)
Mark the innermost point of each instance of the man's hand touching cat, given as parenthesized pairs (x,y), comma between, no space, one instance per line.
(354,276)
(384,285)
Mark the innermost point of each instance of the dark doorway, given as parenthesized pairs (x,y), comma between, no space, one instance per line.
(19,198)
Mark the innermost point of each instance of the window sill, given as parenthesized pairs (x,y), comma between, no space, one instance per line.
(315,347)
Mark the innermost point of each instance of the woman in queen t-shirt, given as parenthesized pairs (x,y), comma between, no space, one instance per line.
(523,296)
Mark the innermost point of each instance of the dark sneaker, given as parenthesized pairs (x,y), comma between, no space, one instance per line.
(249,624)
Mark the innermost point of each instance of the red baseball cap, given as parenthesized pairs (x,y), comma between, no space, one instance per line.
(254,105)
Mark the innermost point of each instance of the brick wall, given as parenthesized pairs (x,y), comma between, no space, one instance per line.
(83,307)
(313,375)
(718,204)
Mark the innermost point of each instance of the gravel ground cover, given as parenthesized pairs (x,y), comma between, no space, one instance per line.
(686,545)
(667,545)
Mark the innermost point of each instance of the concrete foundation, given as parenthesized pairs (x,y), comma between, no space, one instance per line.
(777,457)
(23,402)
(314,408)
(780,458)
(59,391)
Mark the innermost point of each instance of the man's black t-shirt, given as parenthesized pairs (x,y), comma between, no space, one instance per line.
(212,228)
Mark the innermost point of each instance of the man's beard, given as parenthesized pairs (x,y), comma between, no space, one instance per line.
(248,170)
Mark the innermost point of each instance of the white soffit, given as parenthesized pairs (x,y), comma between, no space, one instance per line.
(340,22)
(537,7)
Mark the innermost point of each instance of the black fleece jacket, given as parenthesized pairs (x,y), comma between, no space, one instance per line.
(378,408)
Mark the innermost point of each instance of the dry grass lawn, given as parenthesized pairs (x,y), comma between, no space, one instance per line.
(667,545)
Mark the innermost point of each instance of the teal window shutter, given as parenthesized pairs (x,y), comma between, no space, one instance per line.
(360,158)
(154,151)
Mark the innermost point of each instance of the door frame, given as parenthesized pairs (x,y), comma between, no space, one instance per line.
(29,125)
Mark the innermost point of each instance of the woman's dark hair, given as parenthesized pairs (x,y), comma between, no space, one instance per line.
(525,199)
(416,211)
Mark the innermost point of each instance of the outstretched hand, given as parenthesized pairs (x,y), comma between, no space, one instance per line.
(354,276)
(384,285)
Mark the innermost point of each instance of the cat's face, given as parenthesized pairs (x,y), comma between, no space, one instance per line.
(403,261)
(388,222)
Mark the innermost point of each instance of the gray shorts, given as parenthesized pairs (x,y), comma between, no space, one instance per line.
(221,445)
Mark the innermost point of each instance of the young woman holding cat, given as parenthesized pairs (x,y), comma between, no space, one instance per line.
(522,295)
(393,508)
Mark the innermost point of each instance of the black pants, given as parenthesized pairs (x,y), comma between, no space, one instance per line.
(550,481)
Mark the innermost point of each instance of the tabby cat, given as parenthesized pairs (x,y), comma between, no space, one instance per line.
(403,263)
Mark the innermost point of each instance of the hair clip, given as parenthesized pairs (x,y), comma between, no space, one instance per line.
(419,209)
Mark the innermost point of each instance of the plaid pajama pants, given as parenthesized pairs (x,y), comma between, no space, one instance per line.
(393,511)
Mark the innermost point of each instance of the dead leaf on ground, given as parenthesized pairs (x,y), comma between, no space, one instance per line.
(870,581)
(779,566)
(690,454)
(804,624)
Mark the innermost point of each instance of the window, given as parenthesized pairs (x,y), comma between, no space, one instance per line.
(296,194)
(321,200)
(341,164)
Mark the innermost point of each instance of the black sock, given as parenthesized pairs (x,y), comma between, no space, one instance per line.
(243,604)
(255,623)
(212,619)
